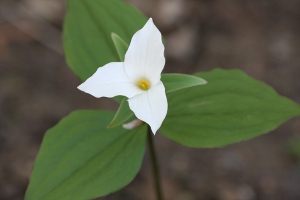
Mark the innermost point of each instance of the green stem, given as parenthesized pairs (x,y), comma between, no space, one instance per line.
(155,169)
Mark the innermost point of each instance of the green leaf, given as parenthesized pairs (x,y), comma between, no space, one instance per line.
(87,32)
(120,45)
(122,115)
(173,82)
(232,107)
(81,159)
(118,99)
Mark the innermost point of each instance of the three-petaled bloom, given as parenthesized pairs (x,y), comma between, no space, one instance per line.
(137,78)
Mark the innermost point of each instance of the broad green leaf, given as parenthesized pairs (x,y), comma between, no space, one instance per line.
(122,115)
(81,159)
(87,32)
(173,82)
(120,45)
(232,107)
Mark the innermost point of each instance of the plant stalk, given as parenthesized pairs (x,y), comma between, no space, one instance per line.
(155,169)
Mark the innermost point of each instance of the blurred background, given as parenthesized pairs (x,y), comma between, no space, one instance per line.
(260,37)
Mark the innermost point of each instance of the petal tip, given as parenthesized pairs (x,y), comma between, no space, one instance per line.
(153,131)
(155,127)
(150,20)
(80,87)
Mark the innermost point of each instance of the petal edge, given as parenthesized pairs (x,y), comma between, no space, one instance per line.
(151,106)
(109,81)
(145,55)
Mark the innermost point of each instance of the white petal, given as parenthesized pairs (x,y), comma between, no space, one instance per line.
(109,81)
(151,106)
(131,125)
(145,55)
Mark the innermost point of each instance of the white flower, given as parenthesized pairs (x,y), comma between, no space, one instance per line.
(137,78)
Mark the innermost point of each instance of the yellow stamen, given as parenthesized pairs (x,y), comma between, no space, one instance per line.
(143,84)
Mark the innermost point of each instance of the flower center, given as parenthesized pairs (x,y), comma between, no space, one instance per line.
(143,84)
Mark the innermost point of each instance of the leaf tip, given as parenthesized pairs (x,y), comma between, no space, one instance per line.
(113,35)
(201,81)
(110,125)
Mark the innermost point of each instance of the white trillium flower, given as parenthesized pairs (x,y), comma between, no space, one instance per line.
(137,78)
